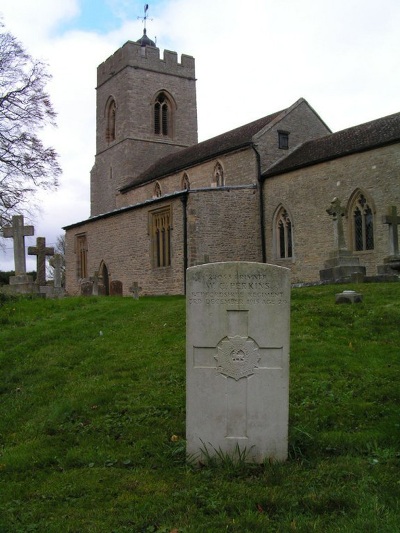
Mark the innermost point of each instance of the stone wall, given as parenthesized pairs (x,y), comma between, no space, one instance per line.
(240,168)
(224,225)
(302,124)
(133,80)
(306,194)
(123,242)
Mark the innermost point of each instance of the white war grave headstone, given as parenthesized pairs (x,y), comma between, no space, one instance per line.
(237,360)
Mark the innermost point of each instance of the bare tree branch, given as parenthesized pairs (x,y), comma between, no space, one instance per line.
(26,164)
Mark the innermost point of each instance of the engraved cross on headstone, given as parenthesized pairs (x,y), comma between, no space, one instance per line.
(41,251)
(18,232)
(237,357)
(337,212)
(393,221)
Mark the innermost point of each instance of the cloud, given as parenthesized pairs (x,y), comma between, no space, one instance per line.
(251,60)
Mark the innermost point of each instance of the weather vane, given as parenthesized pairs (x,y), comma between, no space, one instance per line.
(145,17)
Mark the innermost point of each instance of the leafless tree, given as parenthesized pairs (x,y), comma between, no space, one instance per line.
(26,164)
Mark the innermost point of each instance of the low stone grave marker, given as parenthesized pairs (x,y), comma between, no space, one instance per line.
(116,288)
(237,357)
(348,297)
(135,290)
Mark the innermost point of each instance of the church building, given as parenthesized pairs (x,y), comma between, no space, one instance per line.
(162,202)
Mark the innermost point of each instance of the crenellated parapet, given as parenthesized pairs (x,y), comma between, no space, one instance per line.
(132,54)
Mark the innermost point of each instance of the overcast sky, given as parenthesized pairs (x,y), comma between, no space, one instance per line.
(342,56)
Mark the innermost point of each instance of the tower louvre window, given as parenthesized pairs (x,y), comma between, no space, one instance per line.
(283,140)
(162,115)
(111,124)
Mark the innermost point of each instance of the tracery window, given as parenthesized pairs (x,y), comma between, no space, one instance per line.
(81,255)
(110,121)
(160,228)
(283,235)
(363,224)
(162,115)
(218,176)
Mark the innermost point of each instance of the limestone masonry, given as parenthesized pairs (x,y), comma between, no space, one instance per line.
(161,202)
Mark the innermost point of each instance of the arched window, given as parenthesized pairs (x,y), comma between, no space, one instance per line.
(163,115)
(362,223)
(157,190)
(110,120)
(283,234)
(218,176)
(185,183)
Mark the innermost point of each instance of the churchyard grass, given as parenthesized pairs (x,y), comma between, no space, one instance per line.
(92,421)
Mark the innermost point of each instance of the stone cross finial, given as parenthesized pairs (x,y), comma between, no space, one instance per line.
(337,212)
(393,221)
(41,251)
(18,232)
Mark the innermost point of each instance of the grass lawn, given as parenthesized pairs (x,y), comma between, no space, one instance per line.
(92,421)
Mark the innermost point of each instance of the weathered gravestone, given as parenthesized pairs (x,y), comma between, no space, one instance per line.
(116,288)
(18,232)
(135,290)
(391,264)
(237,357)
(86,287)
(41,251)
(21,282)
(341,265)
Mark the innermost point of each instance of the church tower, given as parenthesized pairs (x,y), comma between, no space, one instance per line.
(146,109)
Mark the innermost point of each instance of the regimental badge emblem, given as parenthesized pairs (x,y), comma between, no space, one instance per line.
(237,357)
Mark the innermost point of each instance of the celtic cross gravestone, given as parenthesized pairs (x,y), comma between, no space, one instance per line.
(238,360)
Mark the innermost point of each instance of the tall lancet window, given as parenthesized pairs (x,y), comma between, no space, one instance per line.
(283,235)
(162,115)
(110,120)
(218,176)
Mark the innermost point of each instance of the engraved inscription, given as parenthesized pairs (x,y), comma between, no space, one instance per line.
(228,289)
(237,357)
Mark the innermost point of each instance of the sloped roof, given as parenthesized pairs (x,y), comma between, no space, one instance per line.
(187,157)
(359,138)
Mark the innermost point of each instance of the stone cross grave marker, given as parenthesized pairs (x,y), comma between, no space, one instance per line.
(95,280)
(337,212)
(18,232)
(135,290)
(58,262)
(41,251)
(393,220)
(237,359)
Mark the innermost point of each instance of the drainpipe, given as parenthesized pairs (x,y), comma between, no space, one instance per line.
(184,200)
(261,204)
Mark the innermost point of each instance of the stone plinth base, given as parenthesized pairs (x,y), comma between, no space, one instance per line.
(21,284)
(390,267)
(342,267)
(48,291)
(343,274)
